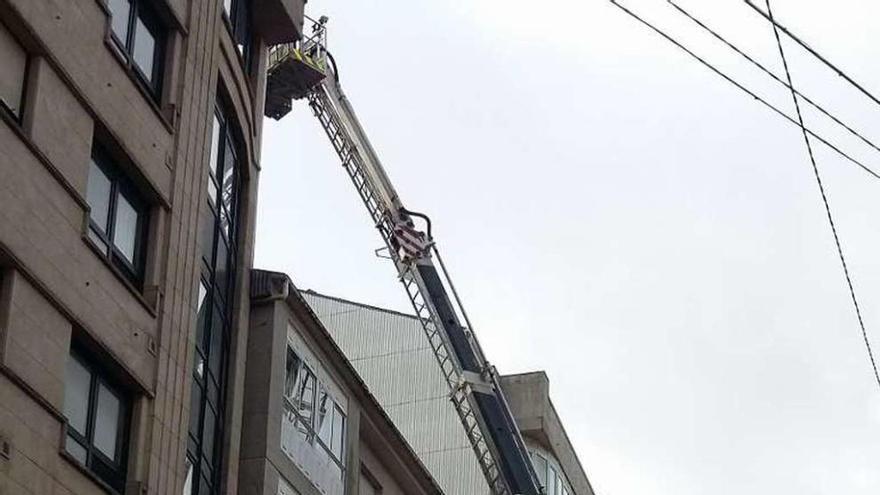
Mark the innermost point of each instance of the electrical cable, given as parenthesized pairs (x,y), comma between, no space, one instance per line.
(800,117)
(774,76)
(812,51)
(746,90)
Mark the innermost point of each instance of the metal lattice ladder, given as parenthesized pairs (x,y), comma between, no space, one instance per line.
(460,392)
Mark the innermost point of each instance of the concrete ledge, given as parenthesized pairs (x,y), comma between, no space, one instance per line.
(528,395)
(278,21)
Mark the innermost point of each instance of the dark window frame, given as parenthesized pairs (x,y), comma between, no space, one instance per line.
(120,185)
(219,265)
(113,473)
(144,10)
(18,117)
(239,22)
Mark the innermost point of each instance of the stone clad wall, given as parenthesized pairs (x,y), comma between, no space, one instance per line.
(56,288)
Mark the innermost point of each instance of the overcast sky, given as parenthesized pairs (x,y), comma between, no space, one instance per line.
(619,216)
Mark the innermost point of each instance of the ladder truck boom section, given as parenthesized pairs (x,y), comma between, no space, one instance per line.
(306,70)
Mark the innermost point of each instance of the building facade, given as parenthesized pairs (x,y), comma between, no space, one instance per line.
(129,157)
(392,354)
(310,424)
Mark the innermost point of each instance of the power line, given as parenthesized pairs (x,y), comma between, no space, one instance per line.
(746,90)
(813,52)
(800,117)
(773,75)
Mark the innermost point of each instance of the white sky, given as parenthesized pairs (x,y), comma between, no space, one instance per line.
(619,216)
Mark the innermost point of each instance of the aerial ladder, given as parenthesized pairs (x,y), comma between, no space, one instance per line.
(306,70)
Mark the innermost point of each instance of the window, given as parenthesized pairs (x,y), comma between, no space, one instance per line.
(551,482)
(117,216)
(317,417)
(238,13)
(313,420)
(540,465)
(140,37)
(97,421)
(13,59)
(219,250)
(549,474)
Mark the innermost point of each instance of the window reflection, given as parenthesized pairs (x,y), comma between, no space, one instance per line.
(139,34)
(119,10)
(125,228)
(118,216)
(313,425)
(98,196)
(76,396)
(96,417)
(13,73)
(549,473)
(106,422)
(144,48)
(218,269)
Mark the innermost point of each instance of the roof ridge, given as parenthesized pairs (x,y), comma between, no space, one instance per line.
(359,304)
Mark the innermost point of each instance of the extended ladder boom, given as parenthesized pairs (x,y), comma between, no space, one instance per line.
(475,391)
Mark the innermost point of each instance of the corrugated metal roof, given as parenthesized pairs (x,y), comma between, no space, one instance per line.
(390,351)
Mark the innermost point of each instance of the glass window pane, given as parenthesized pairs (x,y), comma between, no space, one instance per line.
(144,48)
(187,484)
(76,395)
(221,279)
(241,31)
(206,236)
(212,192)
(119,11)
(292,373)
(199,365)
(540,468)
(210,421)
(216,348)
(227,6)
(205,488)
(213,385)
(195,403)
(336,445)
(75,449)
(106,422)
(222,256)
(303,430)
(125,228)
(227,183)
(13,59)
(324,417)
(305,397)
(225,221)
(551,482)
(202,312)
(98,196)
(215,146)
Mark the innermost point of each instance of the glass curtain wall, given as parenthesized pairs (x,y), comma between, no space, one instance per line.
(216,289)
